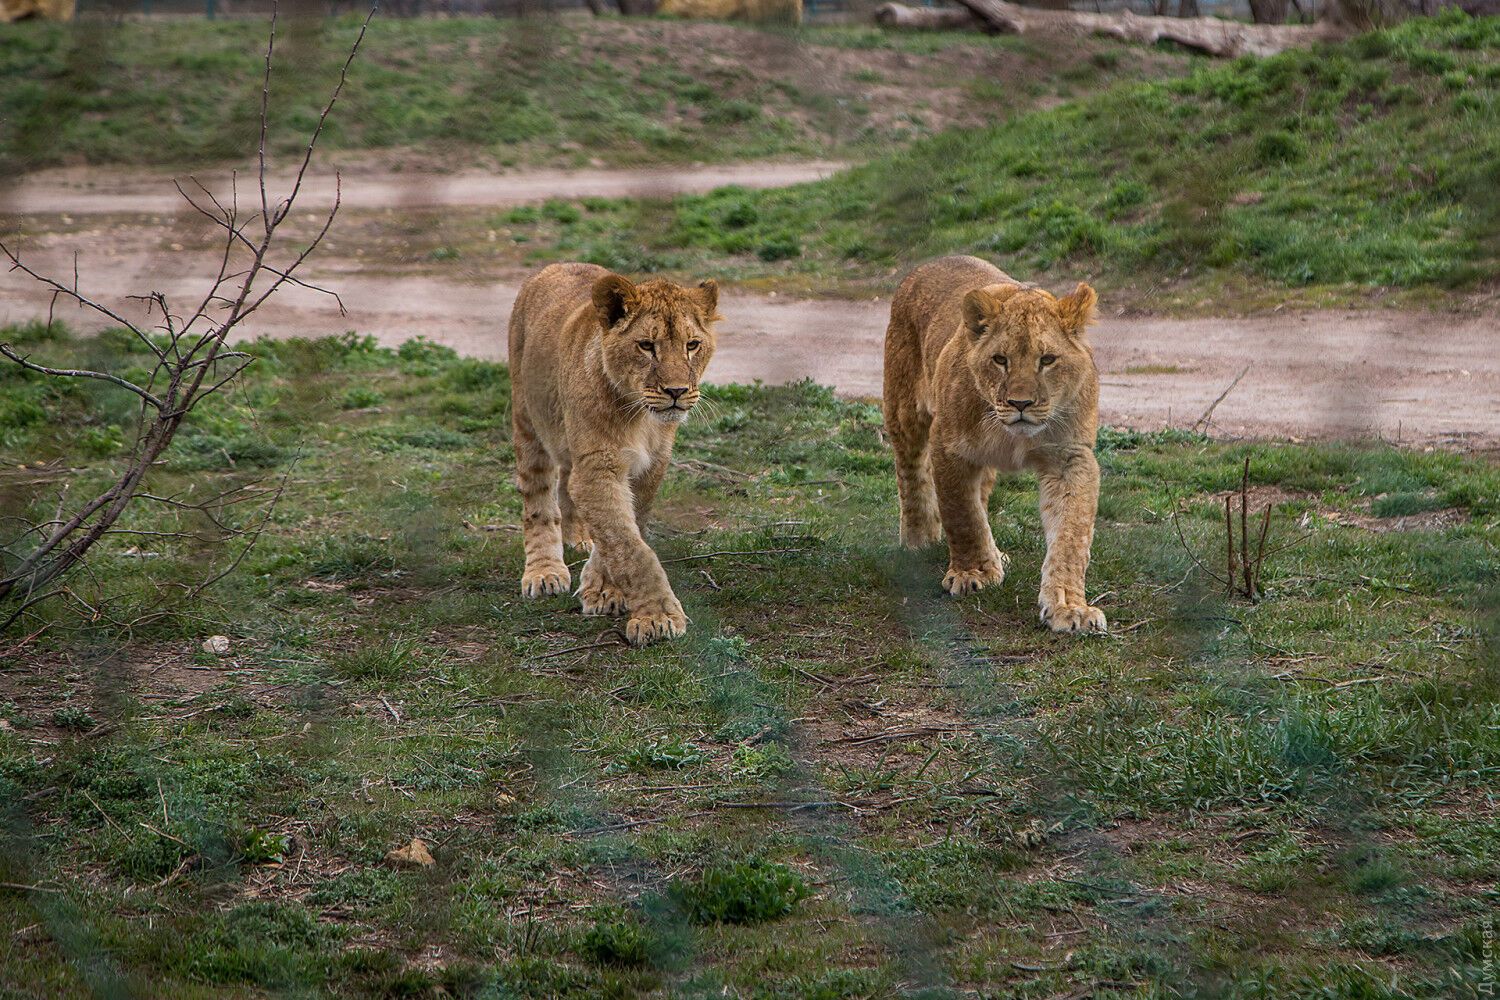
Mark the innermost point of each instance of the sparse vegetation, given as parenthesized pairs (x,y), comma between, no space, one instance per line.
(1220,800)
(511,91)
(1370,163)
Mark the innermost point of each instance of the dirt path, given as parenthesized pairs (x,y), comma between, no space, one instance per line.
(90,191)
(1420,378)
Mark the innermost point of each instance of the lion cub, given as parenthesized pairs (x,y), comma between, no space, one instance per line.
(602,373)
(982,374)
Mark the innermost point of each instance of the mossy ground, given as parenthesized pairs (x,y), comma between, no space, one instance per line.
(934,797)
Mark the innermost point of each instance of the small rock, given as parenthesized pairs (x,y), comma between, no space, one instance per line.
(218,645)
(5,726)
(414,854)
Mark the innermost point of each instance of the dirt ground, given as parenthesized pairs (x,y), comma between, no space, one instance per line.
(1418,379)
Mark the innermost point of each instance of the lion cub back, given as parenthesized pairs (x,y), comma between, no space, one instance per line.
(540,317)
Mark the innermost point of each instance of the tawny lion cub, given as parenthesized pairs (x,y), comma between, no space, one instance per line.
(603,371)
(983,374)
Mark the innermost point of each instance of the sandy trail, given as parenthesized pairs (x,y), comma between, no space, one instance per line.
(1417,378)
(90,191)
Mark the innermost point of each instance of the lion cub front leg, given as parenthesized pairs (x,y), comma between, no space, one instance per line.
(625,562)
(1069,498)
(962,487)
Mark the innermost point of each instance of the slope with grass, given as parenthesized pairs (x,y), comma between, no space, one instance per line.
(1367,164)
(491,91)
(840,784)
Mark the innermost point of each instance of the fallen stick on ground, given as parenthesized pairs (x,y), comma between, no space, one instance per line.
(1208,413)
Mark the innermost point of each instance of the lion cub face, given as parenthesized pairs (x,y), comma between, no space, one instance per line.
(1027,353)
(658,339)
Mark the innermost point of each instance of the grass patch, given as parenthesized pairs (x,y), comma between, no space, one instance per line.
(1368,163)
(839,783)
(501,91)
(741,892)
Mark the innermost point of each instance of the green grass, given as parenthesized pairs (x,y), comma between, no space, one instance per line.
(500,92)
(1363,165)
(839,784)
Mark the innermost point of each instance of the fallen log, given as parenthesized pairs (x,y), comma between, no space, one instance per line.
(1216,37)
(899,15)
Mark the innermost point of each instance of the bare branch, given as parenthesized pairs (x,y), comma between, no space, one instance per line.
(186,372)
(60,289)
(265,116)
(286,205)
(10,353)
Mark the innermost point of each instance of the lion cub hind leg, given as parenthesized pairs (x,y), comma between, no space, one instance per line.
(575,532)
(661,620)
(973,560)
(541,518)
(595,591)
(909,430)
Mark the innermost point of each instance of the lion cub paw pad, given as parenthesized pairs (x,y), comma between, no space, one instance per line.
(602,599)
(1075,618)
(969,581)
(648,627)
(546,581)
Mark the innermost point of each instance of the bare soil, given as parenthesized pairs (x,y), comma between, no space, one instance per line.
(1425,379)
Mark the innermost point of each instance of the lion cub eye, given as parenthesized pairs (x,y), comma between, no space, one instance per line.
(693,345)
(648,346)
(1048,359)
(999,359)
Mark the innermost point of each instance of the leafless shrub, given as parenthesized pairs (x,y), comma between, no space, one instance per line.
(1244,544)
(192,362)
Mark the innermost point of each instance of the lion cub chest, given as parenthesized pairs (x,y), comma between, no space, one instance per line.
(646,444)
(990,447)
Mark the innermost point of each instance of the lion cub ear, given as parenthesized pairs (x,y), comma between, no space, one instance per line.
(977,306)
(1077,310)
(983,304)
(612,297)
(708,297)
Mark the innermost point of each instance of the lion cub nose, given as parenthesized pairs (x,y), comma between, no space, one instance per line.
(676,392)
(1019,404)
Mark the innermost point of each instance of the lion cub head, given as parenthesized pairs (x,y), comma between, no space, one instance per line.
(658,339)
(1027,353)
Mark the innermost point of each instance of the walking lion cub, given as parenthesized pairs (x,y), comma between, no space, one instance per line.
(984,374)
(602,373)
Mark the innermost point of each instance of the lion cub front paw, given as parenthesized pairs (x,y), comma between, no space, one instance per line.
(545,580)
(601,598)
(578,537)
(661,620)
(973,579)
(1074,618)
